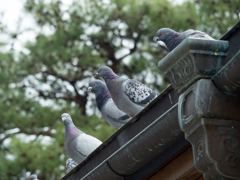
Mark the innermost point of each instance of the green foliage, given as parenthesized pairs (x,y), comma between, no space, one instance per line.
(218,16)
(53,76)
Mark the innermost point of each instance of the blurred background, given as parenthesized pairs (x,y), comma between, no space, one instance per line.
(49,51)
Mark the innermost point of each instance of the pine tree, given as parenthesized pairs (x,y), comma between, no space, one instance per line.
(52,76)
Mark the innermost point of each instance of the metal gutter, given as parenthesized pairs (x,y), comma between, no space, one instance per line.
(227,79)
(103,156)
(128,159)
(161,160)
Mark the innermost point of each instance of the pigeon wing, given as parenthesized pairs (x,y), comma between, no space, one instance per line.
(114,113)
(197,34)
(139,93)
(87,144)
(186,34)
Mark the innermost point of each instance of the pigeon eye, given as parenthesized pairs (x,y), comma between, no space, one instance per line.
(100,70)
(67,116)
(94,84)
(162,33)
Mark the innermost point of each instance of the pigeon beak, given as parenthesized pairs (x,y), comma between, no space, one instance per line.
(96,75)
(90,88)
(155,39)
(63,118)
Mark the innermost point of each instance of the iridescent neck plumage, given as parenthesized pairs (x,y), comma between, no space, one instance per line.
(110,76)
(173,40)
(102,97)
(71,132)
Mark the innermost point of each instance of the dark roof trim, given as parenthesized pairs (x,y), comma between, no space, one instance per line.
(120,164)
(166,100)
(228,34)
(161,160)
(227,79)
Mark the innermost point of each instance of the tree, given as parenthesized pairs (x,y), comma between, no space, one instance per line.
(52,76)
(218,16)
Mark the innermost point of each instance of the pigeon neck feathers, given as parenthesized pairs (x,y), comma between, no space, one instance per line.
(173,40)
(71,132)
(102,97)
(110,76)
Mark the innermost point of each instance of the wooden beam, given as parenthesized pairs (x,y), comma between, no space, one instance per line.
(181,168)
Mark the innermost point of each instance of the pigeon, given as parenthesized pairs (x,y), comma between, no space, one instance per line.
(70,164)
(129,95)
(33,177)
(77,144)
(114,116)
(172,38)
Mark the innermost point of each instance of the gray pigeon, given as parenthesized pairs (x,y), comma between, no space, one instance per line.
(129,95)
(77,144)
(114,116)
(33,177)
(172,38)
(70,164)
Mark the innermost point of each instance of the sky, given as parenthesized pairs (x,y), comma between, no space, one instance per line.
(14,11)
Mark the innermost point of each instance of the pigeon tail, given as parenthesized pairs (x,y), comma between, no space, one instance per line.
(70,164)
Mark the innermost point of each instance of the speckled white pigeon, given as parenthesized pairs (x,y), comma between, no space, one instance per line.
(110,112)
(129,95)
(172,38)
(33,177)
(77,144)
(70,164)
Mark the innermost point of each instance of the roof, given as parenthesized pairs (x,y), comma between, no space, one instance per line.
(153,136)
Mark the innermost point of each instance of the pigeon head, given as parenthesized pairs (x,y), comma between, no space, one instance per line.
(96,86)
(33,177)
(163,34)
(66,118)
(105,72)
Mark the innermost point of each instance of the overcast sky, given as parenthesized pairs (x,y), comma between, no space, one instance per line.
(13,12)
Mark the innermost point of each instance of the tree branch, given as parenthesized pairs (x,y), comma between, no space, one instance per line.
(37,133)
(7,136)
(134,47)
